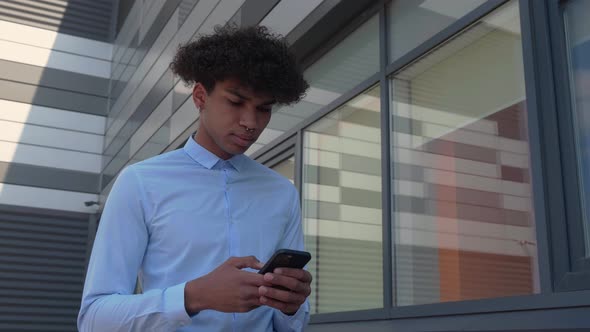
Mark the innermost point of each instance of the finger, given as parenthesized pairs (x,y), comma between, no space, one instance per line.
(250,294)
(245,262)
(288,282)
(284,307)
(281,295)
(252,278)
(300,274)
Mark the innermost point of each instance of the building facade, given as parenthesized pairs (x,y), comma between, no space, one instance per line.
(441,152)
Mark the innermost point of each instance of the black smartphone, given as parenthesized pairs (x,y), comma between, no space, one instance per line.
(286,258)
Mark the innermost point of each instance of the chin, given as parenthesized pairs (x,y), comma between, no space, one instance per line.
(235,150)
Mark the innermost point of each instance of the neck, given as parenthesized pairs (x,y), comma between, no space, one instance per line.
(208,144)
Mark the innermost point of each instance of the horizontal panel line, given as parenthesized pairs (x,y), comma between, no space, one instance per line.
(60,27)
(57,89)
(56,50)
(43,13)
(106,9)
(93,3)
(66,11)
(79,273)
(52,27)
(22,237)
(56,128)
(53,147)
(45,229)
(45,220)
(88,75)
(8,219)
(89,191)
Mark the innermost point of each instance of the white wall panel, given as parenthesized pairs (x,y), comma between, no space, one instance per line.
(51,117)
(360,214)
(342,145)
(359,132)
(439,232)
(342,230)
(514,159)
(360,181)
(442,162)
(459,135)
(49,157)
(495,185)
(43,57)
(321,158)
(321,193)
(24,34)
(516,203)
(449,119)
(57,138)
(46,198)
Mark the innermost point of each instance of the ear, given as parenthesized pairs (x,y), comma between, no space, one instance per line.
(199,95)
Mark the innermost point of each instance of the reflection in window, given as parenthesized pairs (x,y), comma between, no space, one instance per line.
(347,64)
(342,206)
(414,22)
(463,219)
(286,168)
(578,39)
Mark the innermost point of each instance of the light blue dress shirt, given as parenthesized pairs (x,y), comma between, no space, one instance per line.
(174,218)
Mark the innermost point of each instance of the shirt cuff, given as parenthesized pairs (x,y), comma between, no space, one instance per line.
(174,305)
(295,322)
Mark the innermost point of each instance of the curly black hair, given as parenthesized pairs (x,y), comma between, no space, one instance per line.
(256,57)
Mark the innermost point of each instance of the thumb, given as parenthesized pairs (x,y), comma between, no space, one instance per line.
(244,262)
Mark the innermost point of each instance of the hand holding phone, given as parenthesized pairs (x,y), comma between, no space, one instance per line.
(290,288)
(286,258)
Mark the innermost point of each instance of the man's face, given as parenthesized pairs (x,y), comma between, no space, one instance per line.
(232,117)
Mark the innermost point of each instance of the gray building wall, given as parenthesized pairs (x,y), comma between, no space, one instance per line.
(54,78)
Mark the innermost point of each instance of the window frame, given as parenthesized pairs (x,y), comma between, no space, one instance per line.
(569,241)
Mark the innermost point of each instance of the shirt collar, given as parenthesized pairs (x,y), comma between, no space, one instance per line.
(207,158)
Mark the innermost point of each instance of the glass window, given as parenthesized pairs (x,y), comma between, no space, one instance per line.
(413,22)
(463,209)
(342,206)
(286,168)
(351,61)
(576,14)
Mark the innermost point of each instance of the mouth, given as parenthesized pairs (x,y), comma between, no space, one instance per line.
(243,140)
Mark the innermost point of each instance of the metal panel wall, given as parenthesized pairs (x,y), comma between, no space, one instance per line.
(42,263)
(84,18)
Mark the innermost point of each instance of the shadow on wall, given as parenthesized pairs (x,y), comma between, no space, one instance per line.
(54,76)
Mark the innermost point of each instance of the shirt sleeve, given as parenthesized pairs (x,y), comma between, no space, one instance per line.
(108,302)
(293,239)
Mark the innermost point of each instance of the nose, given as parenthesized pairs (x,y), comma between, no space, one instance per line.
(248,119)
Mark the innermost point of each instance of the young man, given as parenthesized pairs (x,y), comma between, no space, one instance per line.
(194,222)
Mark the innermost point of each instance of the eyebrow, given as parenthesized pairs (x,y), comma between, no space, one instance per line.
(238,94)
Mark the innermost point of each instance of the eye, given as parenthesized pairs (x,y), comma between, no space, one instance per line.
(234,102)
